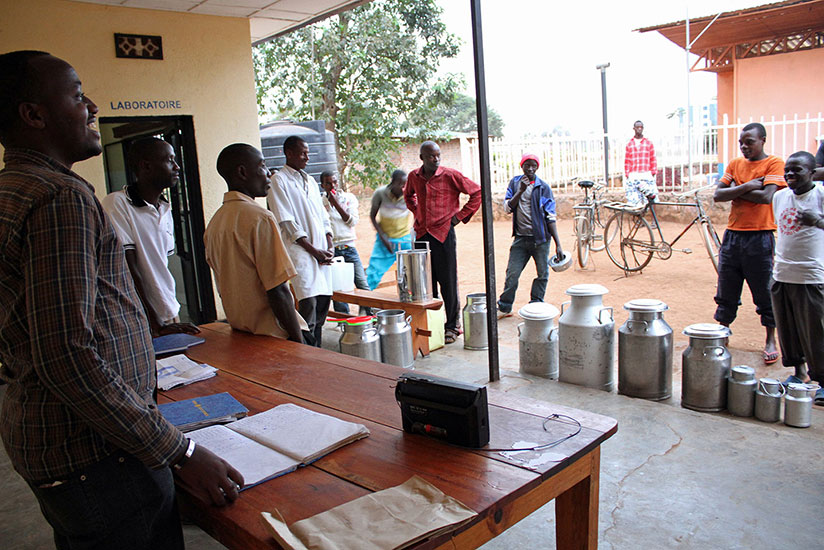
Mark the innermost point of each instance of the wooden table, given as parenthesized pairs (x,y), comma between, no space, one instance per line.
(388,299)
(262,372)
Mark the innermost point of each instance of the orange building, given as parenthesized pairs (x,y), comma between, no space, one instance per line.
(768,60)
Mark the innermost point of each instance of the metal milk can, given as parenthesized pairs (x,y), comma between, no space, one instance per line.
(705,365)
(768,400)
(395,332)
(538,340)
(586,338)
(414,273)
(741,391)
(474,322)
(360,338)
(798,405)
(645,351)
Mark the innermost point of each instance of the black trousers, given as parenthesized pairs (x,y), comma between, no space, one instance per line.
(799,314)
(445,275)
(314,310)
(745,256)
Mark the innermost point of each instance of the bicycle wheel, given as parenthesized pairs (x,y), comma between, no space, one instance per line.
(711,241)
(583,238)
(629,241)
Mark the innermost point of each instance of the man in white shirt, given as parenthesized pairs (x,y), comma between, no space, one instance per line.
(295,200)
(342,208)
(797,291)
(143,220)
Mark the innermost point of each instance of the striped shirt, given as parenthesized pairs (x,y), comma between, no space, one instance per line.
(434,201)
(74,340)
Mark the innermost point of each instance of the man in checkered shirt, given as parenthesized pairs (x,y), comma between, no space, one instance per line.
(640,168)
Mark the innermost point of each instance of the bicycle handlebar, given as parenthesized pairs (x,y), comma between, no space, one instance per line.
(694,192)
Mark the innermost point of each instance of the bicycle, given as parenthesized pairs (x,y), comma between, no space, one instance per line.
(587,222)
(630,240)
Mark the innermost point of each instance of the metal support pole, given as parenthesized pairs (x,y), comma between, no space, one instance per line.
(689,104)
(486,191)
(603,69)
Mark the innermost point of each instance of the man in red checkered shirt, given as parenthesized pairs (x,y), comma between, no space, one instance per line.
(432,194)
(640,168)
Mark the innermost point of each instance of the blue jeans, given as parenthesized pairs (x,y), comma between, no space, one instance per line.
(115,503)
(350,256)
(382,259)
(745,256)
(522,249)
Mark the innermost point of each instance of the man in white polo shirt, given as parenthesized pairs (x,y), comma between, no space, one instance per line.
(143,220)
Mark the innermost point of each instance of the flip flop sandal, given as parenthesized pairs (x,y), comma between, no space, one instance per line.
(450,336)
(769,358)
(819,398)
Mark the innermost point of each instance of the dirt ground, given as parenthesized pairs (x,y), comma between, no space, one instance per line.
(685,282)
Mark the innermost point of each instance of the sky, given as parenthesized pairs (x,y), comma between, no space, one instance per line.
(541,57)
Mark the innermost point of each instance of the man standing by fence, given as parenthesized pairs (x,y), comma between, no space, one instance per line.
(746,252)
(640,168)
(432,194)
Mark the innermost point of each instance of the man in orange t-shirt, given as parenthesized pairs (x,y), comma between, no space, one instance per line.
(749,243)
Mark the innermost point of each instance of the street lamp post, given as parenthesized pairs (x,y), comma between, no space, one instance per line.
(603,69)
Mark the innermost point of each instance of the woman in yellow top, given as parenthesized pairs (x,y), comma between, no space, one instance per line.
(393,227)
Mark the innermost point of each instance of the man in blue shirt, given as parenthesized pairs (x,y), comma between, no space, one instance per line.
(530,200)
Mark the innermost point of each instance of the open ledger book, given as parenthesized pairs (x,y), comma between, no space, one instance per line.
(277,441)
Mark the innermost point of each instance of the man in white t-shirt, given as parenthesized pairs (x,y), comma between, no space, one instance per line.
(143,220)
(342,208)
(797,292)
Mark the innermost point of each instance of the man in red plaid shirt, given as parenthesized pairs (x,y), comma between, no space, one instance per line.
(432,194)
(640,168)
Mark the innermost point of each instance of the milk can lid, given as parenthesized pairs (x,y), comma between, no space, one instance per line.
(587,290)
(707,330)
(646,305)
(538,311)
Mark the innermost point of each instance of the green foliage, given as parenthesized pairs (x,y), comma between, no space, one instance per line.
(461,116)
(369,73)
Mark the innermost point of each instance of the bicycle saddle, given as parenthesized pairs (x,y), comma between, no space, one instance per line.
(586,184)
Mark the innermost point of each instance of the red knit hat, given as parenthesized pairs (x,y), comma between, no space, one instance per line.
(529,156)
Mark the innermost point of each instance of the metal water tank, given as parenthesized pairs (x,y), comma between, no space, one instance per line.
(321,144)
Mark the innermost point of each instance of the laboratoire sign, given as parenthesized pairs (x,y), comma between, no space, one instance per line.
(141,104)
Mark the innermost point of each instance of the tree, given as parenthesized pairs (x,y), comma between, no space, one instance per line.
(461,117)
(369,73)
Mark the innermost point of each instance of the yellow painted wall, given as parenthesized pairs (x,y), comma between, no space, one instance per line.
(207,65)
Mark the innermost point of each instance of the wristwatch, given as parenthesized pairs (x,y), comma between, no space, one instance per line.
(177,466)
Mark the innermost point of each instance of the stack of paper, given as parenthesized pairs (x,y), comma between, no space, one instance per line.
(179,370)
(391,519)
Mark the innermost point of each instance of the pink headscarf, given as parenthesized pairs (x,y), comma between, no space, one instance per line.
(529,156)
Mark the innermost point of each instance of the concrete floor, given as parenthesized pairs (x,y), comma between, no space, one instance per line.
(670,477)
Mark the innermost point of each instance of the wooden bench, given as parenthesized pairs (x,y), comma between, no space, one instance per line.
(388,299)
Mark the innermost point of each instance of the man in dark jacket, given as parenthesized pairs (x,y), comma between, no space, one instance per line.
(530,200)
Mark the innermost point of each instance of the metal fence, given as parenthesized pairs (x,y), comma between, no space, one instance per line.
(565,158)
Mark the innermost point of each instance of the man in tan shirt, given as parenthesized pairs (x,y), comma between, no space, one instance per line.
(245,250)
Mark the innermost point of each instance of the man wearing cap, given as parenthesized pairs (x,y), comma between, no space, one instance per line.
(530,200)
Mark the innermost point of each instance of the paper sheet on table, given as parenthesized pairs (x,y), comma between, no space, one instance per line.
(391,519)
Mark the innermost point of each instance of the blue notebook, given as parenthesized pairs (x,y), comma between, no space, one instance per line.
(199,412)
(175,343)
